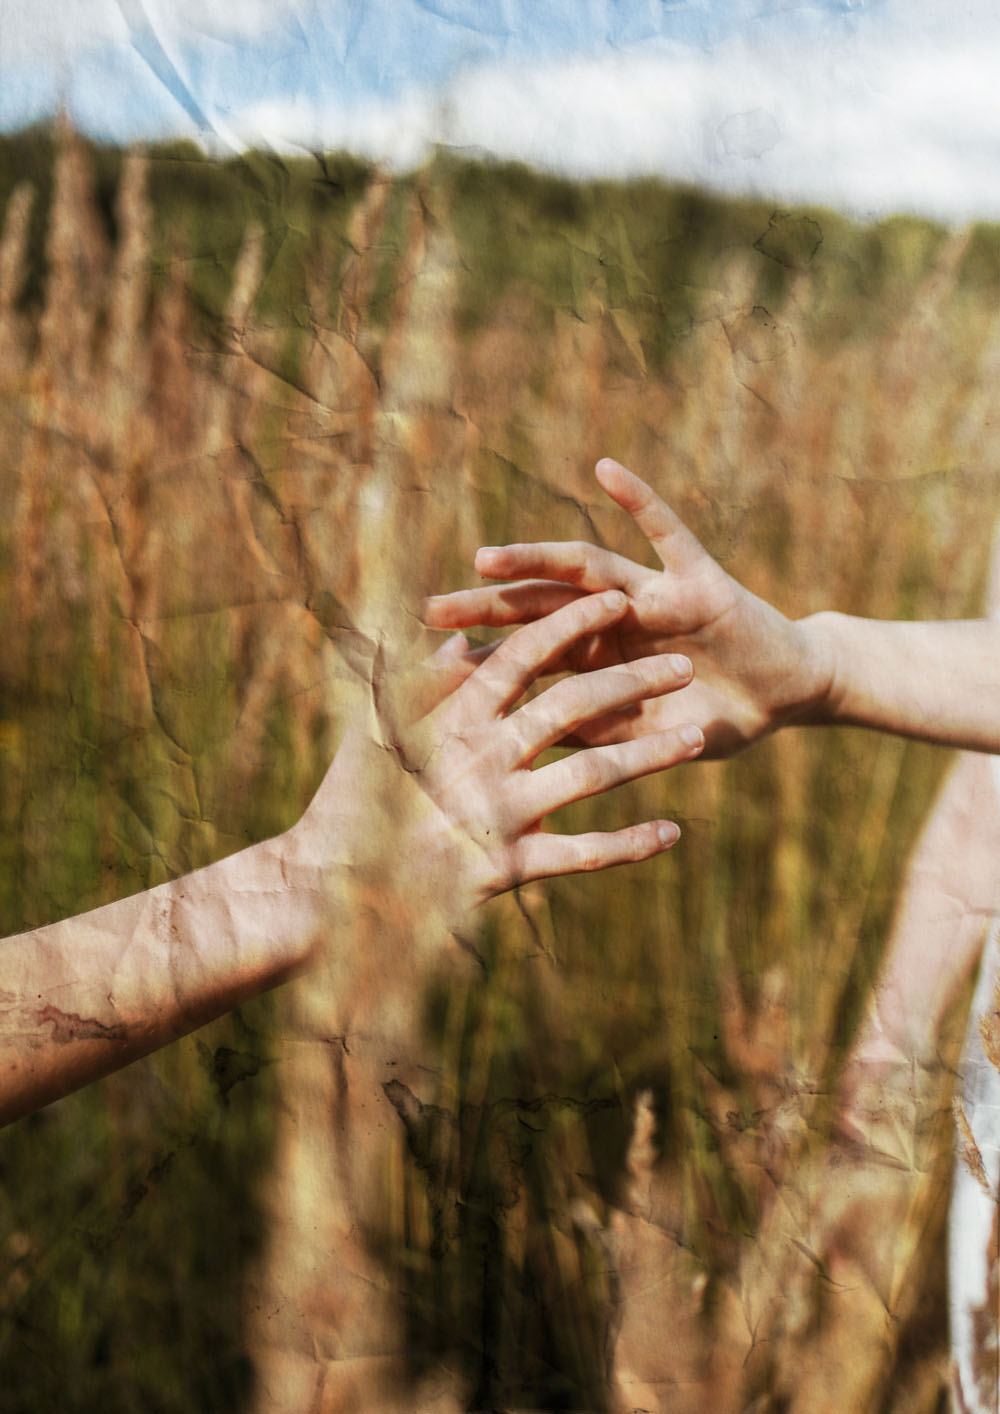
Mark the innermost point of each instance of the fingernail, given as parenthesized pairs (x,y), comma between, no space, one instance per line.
(614,599)
(668,833)
(692,736)
(681,665)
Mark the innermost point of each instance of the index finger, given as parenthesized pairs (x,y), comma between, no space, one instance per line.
(678,549)
(520,659)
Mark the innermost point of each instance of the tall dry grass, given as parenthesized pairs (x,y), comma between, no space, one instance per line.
(213,529)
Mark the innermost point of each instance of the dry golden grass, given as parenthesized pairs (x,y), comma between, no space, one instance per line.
(208,530)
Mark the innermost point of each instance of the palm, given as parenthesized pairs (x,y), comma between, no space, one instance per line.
(732,688)
(751,664)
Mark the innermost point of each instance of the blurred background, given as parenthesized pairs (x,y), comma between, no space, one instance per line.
(242,390)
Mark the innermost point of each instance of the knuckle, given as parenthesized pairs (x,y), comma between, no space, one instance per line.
(559,703)
(519,731)
(579,559)
(590,772)
(648,672)
(517,654)
(590,856)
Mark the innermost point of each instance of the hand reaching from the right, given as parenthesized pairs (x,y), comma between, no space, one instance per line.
(755,670)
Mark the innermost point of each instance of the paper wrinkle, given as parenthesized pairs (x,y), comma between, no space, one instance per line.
(639,1125)
(148,42)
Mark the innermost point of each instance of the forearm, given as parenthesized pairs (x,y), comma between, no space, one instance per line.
(936,682)
(366,877)
(83,997)
(404,838)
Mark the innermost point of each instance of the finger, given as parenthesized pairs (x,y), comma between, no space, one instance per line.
(570,703)
(603,767)
(479,654)
(444,671)
(498,606)
(544,856)
(528,651)
(574,562)
(450,651)
(677,548)
(622,725)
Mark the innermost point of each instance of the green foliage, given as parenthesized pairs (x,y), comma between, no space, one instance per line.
(177,596)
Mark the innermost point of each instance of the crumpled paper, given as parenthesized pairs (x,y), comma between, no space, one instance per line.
(250,416)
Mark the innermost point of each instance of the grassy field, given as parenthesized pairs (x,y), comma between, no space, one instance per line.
(241,403)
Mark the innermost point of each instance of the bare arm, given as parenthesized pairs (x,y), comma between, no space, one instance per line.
(755,669)
(937,682)
(87,995)
(444,815)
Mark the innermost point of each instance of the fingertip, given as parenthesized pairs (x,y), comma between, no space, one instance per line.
(432,609)
(620,484)
(614,600)
(693,738)
(607,469)
(486,553)
(453,647)
(667,833)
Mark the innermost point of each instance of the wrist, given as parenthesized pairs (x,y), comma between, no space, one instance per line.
(306,886)
(821,701)
(374,841)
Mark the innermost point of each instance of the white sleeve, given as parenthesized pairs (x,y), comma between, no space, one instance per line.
(973,1232)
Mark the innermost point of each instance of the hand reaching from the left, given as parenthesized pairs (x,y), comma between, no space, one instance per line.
(416,829)
(473,803)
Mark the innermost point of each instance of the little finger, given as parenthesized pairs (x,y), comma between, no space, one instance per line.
(545,856)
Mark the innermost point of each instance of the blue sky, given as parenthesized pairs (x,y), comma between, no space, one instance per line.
(872,105)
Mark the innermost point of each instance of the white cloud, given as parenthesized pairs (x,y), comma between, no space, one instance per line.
(399,133)
(870,121)
(37,33)
(883,107)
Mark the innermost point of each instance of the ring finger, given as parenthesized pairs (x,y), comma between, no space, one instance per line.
(568,704)
(601,767)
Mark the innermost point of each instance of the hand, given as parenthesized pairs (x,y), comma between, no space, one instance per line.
(755,670)
(462,806)
(432,811)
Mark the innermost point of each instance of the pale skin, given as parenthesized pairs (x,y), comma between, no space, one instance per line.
(440,818)
(756,671)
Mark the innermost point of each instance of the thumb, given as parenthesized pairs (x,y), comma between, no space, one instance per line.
(439,676)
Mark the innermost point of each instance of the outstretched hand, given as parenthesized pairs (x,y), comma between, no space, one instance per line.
(463,806)
(755,670)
